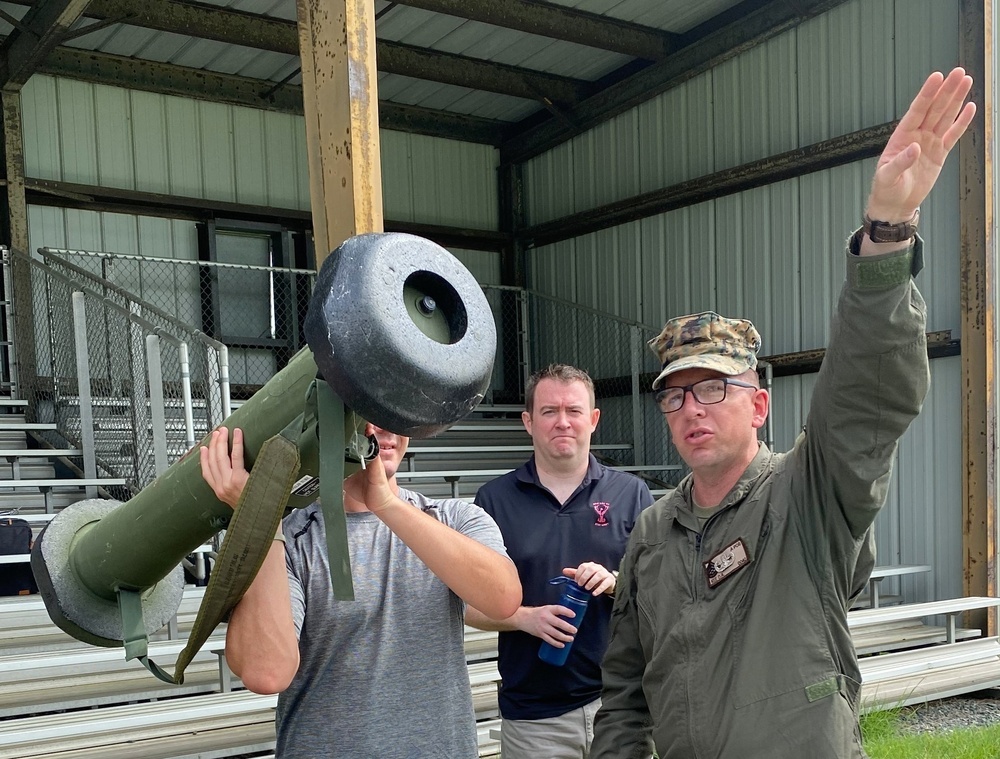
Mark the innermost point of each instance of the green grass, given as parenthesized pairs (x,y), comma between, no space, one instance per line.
(884,739)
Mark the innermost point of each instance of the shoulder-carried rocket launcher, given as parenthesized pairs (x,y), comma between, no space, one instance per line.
(399,333)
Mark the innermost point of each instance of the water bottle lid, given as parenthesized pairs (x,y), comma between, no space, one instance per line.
(571,587)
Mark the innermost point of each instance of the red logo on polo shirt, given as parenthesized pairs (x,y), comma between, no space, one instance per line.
(601,508)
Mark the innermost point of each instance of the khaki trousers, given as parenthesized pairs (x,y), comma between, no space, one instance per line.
(567,736)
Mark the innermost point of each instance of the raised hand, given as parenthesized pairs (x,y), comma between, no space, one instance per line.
(370,486)
(912,160)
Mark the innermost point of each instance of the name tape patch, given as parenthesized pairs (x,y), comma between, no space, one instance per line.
(726,563)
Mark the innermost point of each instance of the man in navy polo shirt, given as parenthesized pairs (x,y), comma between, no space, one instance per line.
(561,513)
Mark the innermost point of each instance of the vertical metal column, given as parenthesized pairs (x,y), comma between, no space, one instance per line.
(979,299)
(14,223)
(83,391)
(340,105)
(8,306)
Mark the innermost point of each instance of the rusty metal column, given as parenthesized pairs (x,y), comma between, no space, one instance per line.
(979,313)
(15,233)
(340,99)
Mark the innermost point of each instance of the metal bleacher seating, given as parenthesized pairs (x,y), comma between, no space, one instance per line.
(490,443)
(31,484)
(142,718)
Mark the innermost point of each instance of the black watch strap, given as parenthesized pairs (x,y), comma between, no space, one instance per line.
(884,231)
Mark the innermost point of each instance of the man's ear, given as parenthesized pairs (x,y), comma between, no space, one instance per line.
(526,420)
(761,407)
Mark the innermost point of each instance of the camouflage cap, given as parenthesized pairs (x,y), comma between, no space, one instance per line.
(706,341)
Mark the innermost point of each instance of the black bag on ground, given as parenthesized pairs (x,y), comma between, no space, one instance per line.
(16,538)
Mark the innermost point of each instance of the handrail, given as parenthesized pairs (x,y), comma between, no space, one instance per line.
(52,254)
(130,366)
(178,261)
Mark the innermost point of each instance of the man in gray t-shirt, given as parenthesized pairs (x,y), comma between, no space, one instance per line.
(383,676)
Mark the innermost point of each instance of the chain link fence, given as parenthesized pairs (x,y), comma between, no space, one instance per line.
(258,312)
(132,354)
(536,330)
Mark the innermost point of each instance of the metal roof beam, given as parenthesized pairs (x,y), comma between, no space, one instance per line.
(838,151)
(164,78)
(752,22)
(48,192)
(280,36)
(476,74)
(557,22)
(38,33)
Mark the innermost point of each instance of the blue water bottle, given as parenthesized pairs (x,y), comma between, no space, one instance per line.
(574,597)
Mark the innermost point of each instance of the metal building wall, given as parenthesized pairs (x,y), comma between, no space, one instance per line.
(773,254)
(99,135)
(107,136)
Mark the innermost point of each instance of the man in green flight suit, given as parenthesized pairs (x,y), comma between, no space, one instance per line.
(729,632)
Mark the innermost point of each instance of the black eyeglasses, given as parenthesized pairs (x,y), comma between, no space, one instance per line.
(706,392)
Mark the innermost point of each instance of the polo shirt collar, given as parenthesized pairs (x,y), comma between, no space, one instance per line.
(528,472)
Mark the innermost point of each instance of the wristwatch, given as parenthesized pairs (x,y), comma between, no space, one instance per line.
(884,231)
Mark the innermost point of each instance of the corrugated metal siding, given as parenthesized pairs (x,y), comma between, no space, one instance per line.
(93,134)
(829,76)
(921,522)
(764,252)
(436,181)
(773,254)
(484,265)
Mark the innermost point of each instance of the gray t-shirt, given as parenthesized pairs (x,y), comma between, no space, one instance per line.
(383,676)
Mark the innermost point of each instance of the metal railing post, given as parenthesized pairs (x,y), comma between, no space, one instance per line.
(83,391)
(219,402)
(227,402)
(157,411)
(186,393)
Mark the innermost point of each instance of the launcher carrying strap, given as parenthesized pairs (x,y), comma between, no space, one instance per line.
(254,523)
(248,539)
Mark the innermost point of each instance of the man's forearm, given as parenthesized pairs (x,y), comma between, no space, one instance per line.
(477,619)
(476,573)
